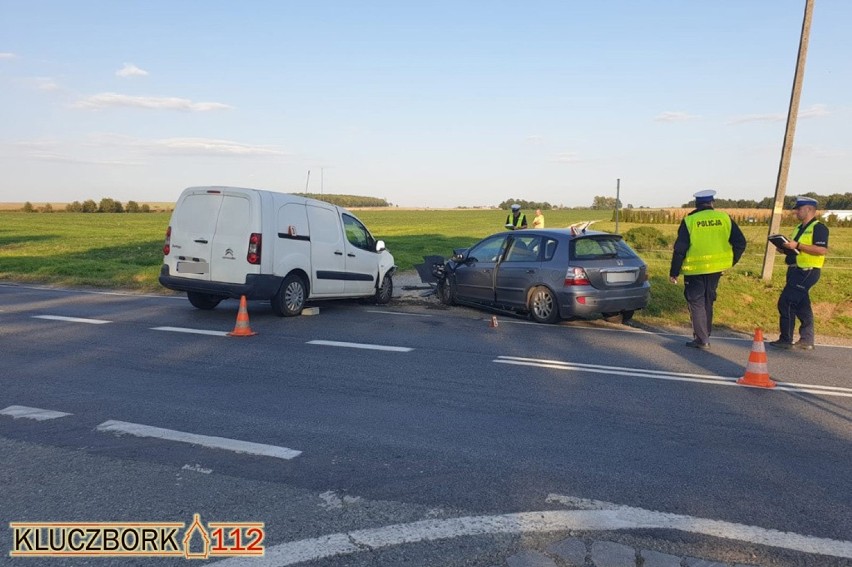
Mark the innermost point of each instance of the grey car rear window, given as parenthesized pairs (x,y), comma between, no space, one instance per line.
(600,248)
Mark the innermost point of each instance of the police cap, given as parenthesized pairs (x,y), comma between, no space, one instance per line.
(705,196)
(516,207)
(802,201)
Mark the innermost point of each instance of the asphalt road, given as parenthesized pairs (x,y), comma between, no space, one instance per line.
(442,417)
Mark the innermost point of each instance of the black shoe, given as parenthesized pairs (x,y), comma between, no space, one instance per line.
(781,344)
(696,344)
(804,346)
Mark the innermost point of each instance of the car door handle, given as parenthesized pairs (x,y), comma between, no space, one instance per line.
(201,241)
(351,255)
(338,253)
(530,271)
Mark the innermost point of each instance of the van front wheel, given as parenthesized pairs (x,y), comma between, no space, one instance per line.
(385,291)
(203,300)
(290,299)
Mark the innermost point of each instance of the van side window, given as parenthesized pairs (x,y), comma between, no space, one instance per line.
(357,234)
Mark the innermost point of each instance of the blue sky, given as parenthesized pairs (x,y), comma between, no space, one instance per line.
(439,104)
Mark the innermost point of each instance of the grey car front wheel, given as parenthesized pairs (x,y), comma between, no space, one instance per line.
(543,305)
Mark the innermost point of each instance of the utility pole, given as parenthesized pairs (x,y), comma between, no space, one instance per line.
(307,181)
(322,177)
(787,148)
(617,199)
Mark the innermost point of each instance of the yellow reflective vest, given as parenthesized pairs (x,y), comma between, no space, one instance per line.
(803,259)
(709,247)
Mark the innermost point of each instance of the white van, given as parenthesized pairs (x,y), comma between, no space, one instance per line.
(225,242)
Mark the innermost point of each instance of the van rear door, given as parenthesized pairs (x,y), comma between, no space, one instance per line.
(193,226)
(229,249)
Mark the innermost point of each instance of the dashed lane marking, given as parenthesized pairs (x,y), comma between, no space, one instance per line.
(138,430)
(71,319)
(675,376)
(361,345)
(32,413)
(602,516)
(191,331)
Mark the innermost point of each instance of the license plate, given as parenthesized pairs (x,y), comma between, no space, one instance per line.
(620,277)
(192,267)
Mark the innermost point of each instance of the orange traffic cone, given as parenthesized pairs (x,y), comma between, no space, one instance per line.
(757,372)
(493,323)
(242,328)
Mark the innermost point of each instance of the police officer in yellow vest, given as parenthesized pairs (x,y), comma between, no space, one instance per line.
(708,243)
(810,238)
(516,219)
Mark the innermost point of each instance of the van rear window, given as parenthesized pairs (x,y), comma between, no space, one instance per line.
(197,214)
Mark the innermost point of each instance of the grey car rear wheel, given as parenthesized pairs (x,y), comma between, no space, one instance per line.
(543,306)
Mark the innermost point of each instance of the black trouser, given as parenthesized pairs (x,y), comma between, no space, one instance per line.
(700,293)
(795,302)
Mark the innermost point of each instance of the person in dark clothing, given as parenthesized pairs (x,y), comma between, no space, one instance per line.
(708,243)
(810,241)
(516,219)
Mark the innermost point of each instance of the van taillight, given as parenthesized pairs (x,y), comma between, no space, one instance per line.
(254,248)
(167,246)
(576,276)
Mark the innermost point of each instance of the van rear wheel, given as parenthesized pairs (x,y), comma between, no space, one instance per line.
(203,300)
(291,297)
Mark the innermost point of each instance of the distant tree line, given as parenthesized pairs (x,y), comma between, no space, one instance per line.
(106,205)
(753,217)
(347,200)
(527,205)
(835,201)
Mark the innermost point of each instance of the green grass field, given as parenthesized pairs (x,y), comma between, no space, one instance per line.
(125,251)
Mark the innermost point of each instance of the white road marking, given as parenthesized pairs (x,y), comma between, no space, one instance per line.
(675,376)
(91,292)
(138,430)
(191,331)
(32,413)
(71,319)
(599,516)
(196,468)
(361,345)
(398,313)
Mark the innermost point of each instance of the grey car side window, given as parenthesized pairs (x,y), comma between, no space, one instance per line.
(487,251)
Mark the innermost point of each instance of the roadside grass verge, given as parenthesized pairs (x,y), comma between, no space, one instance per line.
(125,251)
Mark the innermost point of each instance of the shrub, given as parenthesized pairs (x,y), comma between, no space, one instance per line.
(646,238)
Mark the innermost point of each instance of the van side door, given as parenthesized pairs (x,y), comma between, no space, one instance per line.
(328,255)
(362,260)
